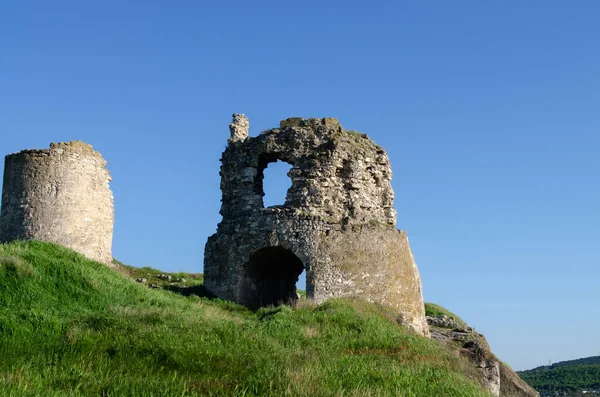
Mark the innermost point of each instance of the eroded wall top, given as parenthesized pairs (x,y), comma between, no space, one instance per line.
(337,175)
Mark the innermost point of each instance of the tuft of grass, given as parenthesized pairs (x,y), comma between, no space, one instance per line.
(355,133)
(16,266)
(79,328)
(431,309)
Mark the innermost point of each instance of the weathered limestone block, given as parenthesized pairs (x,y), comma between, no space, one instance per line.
(337,223)
(60,195)
(478,352)
(239,128)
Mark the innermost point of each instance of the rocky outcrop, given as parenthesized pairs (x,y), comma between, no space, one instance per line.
(337,223)
(442,321)
(512,385)
(495,376)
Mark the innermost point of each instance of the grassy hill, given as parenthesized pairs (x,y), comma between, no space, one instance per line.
(569,378)
(73,327)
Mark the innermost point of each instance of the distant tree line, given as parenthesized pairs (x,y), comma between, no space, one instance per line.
(568,376)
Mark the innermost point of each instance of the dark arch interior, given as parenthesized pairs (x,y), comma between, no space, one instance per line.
(271,277)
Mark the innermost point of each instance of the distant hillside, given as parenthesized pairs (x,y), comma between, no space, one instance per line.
(74,327)
(573,377)
(594,360)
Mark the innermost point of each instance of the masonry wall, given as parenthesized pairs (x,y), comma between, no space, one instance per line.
(370,261)
(376,263)
(59,195)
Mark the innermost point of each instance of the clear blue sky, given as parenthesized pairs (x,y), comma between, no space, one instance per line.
(489,112)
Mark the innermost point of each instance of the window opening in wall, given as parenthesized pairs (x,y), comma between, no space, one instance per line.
(271,278)
(276,183)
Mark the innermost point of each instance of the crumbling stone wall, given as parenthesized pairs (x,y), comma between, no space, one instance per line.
(336,175)
(60,195)
(337,223)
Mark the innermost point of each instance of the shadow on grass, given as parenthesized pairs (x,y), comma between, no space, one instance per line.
(199,290)
(202,292)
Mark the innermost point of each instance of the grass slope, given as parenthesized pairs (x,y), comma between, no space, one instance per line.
(73,327)
(157,278)
(569,378)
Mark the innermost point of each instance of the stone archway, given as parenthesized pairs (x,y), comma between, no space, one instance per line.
(270,279)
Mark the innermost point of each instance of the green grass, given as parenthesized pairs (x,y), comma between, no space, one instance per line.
(180,279)
(431,309)
(73,327)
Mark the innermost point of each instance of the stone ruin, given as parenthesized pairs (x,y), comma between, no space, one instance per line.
(60,195)
(338,223)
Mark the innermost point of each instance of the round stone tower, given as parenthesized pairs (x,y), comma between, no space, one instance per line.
(60,195)
(338,222)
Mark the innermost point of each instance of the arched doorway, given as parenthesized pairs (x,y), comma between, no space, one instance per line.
(270,279)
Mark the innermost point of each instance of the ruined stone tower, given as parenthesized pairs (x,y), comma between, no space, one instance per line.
(60,195)
(337,223)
